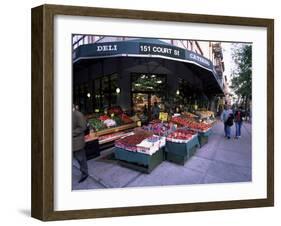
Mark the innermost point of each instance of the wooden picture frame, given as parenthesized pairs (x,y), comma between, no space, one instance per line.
(42,203)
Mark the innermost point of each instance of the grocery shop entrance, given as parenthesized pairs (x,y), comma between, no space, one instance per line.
(147,90)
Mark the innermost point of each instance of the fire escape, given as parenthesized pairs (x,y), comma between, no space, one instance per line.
(218,61)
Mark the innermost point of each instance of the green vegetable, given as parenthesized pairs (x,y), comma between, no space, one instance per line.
(97,124)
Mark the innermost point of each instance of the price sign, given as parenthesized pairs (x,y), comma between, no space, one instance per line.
(163,116)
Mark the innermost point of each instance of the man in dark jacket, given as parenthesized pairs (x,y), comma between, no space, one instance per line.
(79,126)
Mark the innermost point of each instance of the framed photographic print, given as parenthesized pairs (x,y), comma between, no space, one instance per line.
(141,112)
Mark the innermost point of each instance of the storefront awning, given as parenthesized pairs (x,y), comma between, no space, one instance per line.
(144,48)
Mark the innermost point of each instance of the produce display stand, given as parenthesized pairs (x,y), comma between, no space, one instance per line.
(203,137)
(179,153)
(94,145)
(139,161)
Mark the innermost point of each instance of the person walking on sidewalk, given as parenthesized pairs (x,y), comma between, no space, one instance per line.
(238,119)
(227,119)
(79,126)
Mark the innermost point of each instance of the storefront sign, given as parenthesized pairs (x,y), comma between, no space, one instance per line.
(199,59)
(106,48)
(165,50)
(140,48)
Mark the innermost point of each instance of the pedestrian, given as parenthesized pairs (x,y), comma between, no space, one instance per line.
(227,119)
(238,119)
(155,110)
(79,126)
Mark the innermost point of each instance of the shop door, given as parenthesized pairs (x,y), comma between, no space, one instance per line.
(147,89)
(143,103)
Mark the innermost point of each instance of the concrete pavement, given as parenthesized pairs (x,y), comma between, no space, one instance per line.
(219,161)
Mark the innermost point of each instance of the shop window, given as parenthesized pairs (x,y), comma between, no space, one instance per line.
(105,91)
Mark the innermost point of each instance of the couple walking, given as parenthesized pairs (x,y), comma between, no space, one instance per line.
(228,116)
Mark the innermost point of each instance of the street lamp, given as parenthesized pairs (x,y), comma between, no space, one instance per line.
(118,90)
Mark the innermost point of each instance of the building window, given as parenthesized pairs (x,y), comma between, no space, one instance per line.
(105,94)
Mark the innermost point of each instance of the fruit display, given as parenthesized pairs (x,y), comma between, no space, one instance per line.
(161,129)
(129,143)
(181,136)
(197,126)
(189,115)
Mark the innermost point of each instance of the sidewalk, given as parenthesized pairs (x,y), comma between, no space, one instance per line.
(219,161)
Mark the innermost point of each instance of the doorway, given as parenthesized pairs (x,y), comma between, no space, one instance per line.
(147,89)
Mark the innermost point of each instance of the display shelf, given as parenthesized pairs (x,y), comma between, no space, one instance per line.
(115,137)
(96,135)
(116,129)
